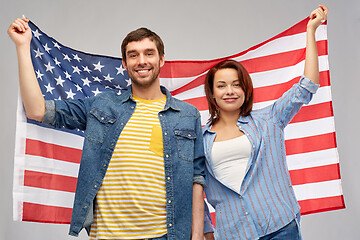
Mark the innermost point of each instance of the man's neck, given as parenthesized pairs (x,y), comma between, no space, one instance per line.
(152,92)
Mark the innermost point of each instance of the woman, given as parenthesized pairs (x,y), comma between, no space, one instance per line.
(247,176)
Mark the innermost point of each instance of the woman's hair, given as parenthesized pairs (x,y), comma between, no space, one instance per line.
(245,84)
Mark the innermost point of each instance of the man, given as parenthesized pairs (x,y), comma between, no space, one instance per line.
(142,168)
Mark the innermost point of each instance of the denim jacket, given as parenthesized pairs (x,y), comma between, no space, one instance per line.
(103,118)
(266,202)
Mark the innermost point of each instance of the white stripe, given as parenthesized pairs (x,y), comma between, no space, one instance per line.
(54,136)
(318,190)
(309,128)
(51,166)
(285,74)
(312,159)
(283,44)
(322,95)
(48,197)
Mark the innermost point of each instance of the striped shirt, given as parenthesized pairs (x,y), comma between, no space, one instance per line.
(266,202)
(131,202)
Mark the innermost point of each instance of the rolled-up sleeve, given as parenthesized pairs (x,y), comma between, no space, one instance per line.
(199,156)
(49,117)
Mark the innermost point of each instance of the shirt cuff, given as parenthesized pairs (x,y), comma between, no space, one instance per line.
(199,179)
(308,84)
(49,117)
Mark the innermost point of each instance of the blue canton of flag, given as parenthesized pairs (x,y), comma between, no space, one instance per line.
(64,73)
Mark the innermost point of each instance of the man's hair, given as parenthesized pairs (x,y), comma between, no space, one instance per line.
(245,84)
(140,34)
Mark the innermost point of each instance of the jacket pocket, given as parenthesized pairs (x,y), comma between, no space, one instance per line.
(185,140)
(98,125)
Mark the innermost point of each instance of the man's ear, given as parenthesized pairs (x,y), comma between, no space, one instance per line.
(124,64)
(162,61)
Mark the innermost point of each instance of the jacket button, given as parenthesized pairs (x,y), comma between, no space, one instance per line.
(85,207)
(168,178)
(170,225)
(95,186)
(102,118)
(169,201)
(167,156)
(165,133)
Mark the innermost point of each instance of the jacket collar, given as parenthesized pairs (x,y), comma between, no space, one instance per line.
(170,101)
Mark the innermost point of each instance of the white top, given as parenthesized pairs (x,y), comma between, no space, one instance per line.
(229,161)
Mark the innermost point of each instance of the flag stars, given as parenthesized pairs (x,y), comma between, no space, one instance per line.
(67,75)
(78,88)
(76,69)
(128,81)
(120,70)
(66,57)
(86,69)
(70,94)
(96,79)
(47,49)
(108,78)
(49,67)
(96,92)
(49,88)
(56,45)
(118,87)
(37,34)
(59,81)
(76,57)
(38,53)
(98,66)
(86,82)
(39,74)
(57,62)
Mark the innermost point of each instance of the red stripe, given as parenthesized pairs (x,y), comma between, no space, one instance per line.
(321,204)
(52,151)
(281,60)
(213,218)
(272,92)
(49,181)
(312,112)
(194,68)
(46,214)
(310,144)
(307,113)
(315,174)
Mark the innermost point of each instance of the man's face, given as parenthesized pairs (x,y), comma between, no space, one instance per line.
(143,63)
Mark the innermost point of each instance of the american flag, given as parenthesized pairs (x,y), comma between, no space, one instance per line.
(47,159)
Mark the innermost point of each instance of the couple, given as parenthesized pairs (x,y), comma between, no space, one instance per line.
(152,188)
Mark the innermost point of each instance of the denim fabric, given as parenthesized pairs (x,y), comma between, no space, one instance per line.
(267,201)
(289,232)
(103,118)
(158,238)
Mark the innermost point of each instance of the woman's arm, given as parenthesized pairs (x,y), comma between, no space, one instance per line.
(317,17)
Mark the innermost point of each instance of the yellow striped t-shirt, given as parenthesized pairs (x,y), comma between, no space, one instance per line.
(131,202)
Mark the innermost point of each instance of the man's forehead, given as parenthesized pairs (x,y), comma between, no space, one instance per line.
(141,45)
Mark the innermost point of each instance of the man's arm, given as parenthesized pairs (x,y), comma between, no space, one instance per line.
(31,94)
(198,214)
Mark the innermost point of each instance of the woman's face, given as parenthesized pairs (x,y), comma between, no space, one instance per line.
(228,94)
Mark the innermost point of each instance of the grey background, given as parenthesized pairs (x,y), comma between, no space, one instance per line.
(191,30)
